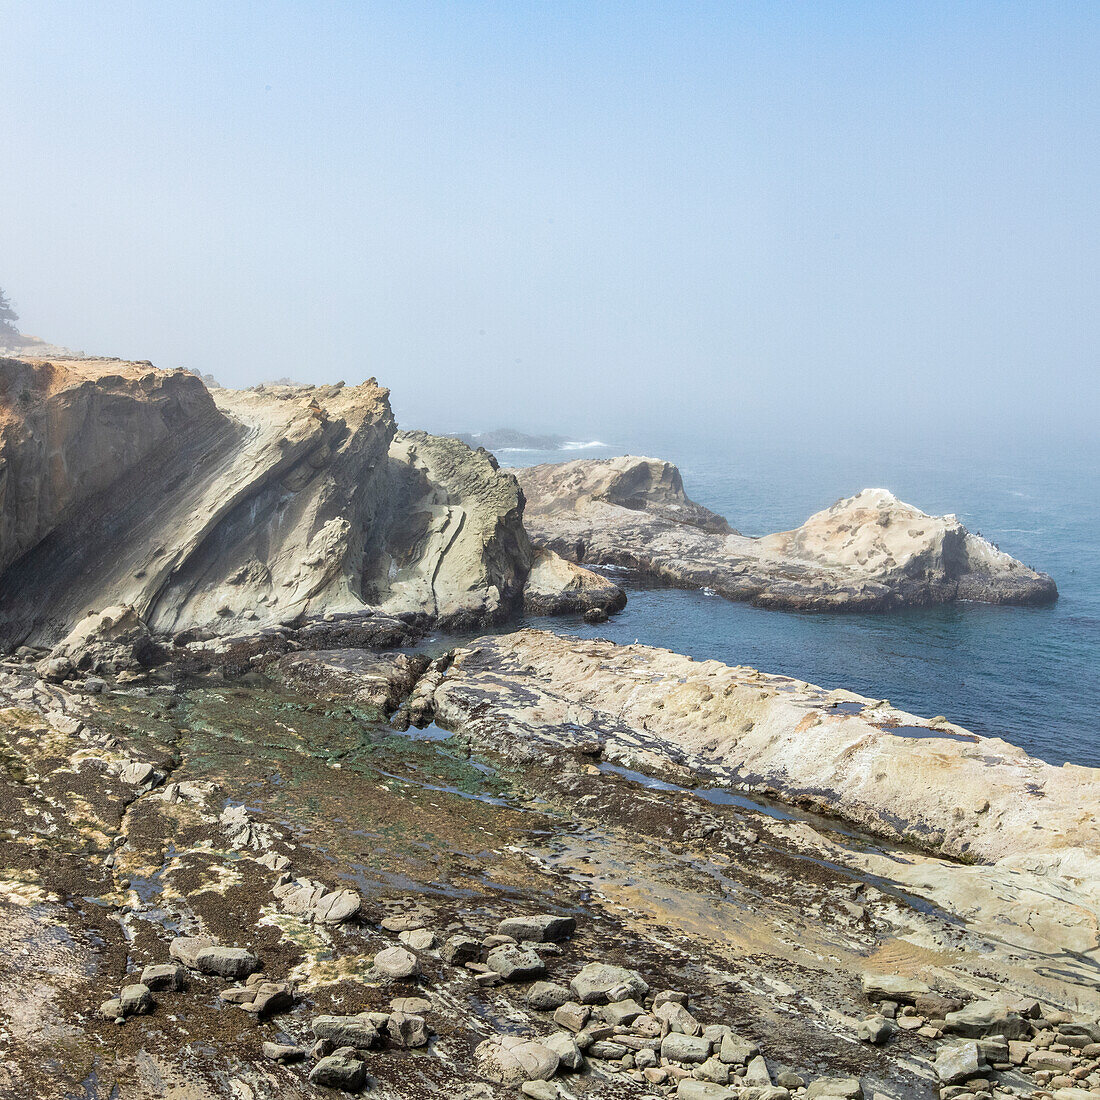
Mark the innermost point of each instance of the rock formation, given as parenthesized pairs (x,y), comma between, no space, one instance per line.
(867,552)
(122,485)
(1015,842)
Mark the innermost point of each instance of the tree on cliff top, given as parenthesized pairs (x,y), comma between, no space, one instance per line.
(8,317)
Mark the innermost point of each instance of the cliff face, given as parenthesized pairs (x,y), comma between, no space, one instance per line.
(69,430)
(125,486)
(867,552)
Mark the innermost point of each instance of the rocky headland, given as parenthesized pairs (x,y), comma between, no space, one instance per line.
(221,512)
(868,552)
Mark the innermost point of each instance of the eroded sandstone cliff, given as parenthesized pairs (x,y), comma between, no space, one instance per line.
(123,485)
(870,551)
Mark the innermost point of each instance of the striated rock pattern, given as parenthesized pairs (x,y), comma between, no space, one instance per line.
(128,487)
(928,782)
(867,552)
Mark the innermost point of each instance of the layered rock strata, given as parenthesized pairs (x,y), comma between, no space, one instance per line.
(122,485)
(867,552)
(1014,844)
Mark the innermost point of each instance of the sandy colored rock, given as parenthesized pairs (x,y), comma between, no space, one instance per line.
(235,511)
(869,551)
(512,1059)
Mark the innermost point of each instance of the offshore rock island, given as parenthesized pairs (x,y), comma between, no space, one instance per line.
(292,808)
(868,552)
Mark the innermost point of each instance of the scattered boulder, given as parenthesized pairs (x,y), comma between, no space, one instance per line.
(316,902)
(845,1088)
(547,996)
(982,1018)
(511,1059)
(565,1047)
(960,1062)
(135,1000)
(572,1016)
(356,1031)
(545,928)
(459,950)
(283,1053)
(226,962)
(596,981)
(678,1018)
(418,939)
(407,1030)
(685,1048)
(735,1050)
(875,1029)
(893,987)
(691,1089)
(164,976)
(187,948)
(622,1013)
(339,1072)
(396,964)
(515,964)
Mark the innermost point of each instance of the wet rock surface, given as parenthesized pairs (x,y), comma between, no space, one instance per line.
(647,941)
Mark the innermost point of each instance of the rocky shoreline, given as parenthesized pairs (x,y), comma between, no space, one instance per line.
(555,894)
(278,823)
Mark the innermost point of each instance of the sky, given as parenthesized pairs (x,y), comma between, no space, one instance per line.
(773,220)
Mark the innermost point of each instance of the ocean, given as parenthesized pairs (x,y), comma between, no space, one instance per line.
(1028,675)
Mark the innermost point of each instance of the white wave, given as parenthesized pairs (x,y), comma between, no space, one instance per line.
(574,446)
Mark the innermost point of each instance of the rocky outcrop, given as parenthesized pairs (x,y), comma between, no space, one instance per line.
(556,586)
(128,487)
(987,836)
(867,552)
(895,774)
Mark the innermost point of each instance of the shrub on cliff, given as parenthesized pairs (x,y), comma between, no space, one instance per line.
(8,317)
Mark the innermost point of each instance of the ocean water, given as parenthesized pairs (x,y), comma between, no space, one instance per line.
(1029,675)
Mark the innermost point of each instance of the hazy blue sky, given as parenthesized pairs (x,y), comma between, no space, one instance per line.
(743,217)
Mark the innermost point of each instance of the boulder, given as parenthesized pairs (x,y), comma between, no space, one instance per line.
(135,1000)
(283,1053)
(685,1048)
(545,928)
(339,1072)
(407,1030)
(396,963)
(460,949)
(893,987)
(166,976)
(690,1089)
(875,1029)
(736,1051)
(846,1088)
(547,996)
(596,980)
(572,1016)
(353,1031)
(187,948)
(959,1062)
(226,962)
(981,1018)
(512,1059)
(514,963)
(565,1047)
(316,902)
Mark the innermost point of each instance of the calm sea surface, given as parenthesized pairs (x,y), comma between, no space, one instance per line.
(1029,675)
